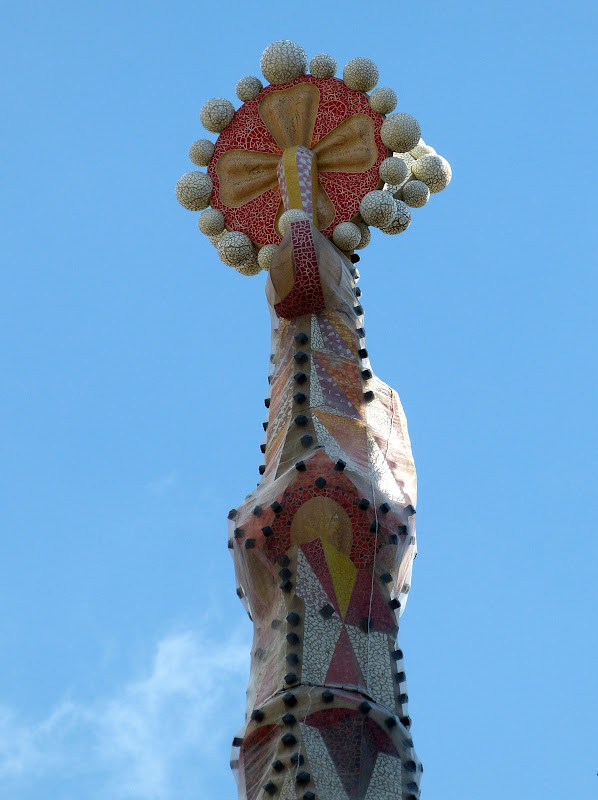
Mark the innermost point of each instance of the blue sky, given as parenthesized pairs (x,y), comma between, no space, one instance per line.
(135,363)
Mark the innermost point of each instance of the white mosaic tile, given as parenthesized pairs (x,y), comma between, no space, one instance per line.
(374,660)
(327,782)
(386,781)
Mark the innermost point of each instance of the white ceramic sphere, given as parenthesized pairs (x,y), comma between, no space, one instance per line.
(235,248)
(400,132)
(415,193)
(216,114)
(434,171)
(422,150)
(211,222)
(193,190)
(217,237)
(346,236)
(401,221)
(250,267)
(393,171)
(377,208)
(366,235)
(265,255)
(248,88)
(292,215)
(201,152)
(323,66)
(360,74)
(283,61)
(383,100)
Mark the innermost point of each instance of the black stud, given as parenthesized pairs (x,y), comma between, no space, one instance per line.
(307,440)
(291,677)
(293,619)
(289,699)
(285,573)
(301,338)
(409,510)
(327,611)
(320,482)
(402,529)
(267,531)
(301,357)
(365,707)
(277,766)
(362,352)
(284,560)
(300,378)
(392,538)
(288,739)
(286,586)
(403,698)
(366,374)
(234,764)
(390,722)
(361,333)
(239,533)
(327,696)
(292,658)
(289,719)
(263,448)
(397,655)
(293,639)
(265,426)
(400,677)
(300,466)
(303,778)
(232,513)
(354,258)
(413,787)
(309,796)
(299,398)
(301,420)
(357,291)
(230,544)
(257,511)
(368,396)
(363,504)
(375,526)
(276,507)
(385,508)
(394,603)
(359,309)
(240,593)
(261,469)
(411,797)
(407,743)
(297,759)
(249,544)
(386,578)
(257,715)
(237,741)
(406,722)
(365,625)
(275,624)
(340,465)
(267,402)
(410,766)
(271,788)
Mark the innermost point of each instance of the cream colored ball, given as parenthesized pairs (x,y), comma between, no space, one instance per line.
(422,150)
(383,100)
(323,66)
(292,215)
(217,237)
(250,267)
(193,190)
(360,74)
(211,222)
(401,221)
(201,152)
(377,208)
(235,248)
(216,114)
(434,171)
(283,61)
(346,236)
(366,235)
(415,193)
(393,171)
(400,132)
(265,255)
(248,88)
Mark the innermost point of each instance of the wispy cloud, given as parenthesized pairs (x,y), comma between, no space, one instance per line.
(138,738)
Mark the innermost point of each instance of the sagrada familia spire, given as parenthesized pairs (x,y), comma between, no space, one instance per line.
(323,548)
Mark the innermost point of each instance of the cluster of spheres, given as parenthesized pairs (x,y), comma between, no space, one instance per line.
(412,171)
